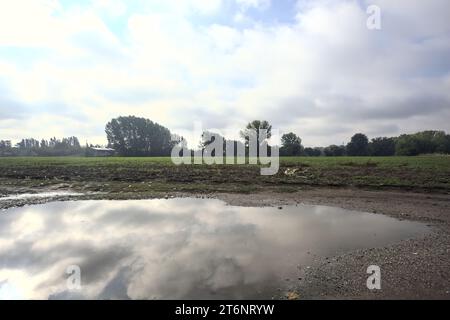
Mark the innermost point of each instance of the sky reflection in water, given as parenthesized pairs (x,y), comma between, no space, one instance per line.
(178,248)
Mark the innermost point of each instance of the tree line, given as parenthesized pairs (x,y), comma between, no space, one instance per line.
(138,136)
(424,142)
(134,136)
(69,146)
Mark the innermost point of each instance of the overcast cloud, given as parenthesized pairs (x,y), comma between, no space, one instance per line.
(311,67)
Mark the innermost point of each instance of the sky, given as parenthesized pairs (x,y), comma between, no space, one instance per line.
(310,67)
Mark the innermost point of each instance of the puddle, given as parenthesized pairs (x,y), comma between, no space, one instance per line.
(178,248)
(42,195)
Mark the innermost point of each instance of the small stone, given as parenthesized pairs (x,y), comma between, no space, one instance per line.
(293,296)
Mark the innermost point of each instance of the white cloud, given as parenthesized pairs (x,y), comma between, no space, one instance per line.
(206,7)
(258,4)
(27,23)
(324,77)
(114,8)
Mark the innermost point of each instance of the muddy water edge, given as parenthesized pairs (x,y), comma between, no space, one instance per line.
(411,269)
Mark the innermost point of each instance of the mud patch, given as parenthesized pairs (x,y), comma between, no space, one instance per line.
(31,196)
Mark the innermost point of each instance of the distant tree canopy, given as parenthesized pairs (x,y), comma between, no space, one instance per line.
(133,136)
(312,152)
(334,151)
(32,147)
(424,142)
(291,145)
(253,130)
(358,146)
(207,139)
(5,148)
(382,147)
(230,147)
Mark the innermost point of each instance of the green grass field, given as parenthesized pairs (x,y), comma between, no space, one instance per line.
(423,162)
(117,174)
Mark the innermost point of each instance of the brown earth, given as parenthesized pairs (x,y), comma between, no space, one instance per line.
(236,178)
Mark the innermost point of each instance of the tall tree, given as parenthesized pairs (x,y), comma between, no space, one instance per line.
(133,136)
(5,147)
(208,138)
(253,130)
(291,145)
(358,146)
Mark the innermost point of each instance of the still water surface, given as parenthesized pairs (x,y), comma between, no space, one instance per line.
(177,248)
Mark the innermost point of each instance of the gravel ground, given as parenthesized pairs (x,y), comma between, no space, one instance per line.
(412,269)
